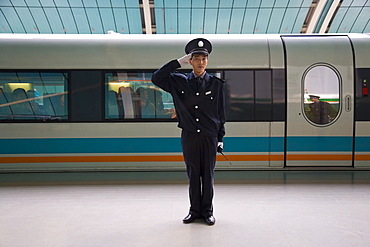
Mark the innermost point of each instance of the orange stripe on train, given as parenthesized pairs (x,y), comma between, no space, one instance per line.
(173,158)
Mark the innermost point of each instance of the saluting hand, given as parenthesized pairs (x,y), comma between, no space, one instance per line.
(184,60)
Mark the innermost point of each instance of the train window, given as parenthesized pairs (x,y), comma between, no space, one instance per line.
(239,95)
(321,101)
(33,96)
(263,98)
(248,95)
(132,95)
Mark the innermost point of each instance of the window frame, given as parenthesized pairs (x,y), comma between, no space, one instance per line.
(303,93)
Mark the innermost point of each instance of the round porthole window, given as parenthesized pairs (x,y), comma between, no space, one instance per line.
(321,94)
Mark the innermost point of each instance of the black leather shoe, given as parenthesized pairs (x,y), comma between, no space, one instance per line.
(189,218)
(210,220)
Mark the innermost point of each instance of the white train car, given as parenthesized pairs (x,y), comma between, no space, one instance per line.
(81,102)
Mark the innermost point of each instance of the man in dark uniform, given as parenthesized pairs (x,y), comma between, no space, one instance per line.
(321,112)
(200,108)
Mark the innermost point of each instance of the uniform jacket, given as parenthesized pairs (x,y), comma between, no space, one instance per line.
(321,112)
(199,110)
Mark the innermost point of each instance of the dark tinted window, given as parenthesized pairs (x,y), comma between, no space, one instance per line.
(239,95)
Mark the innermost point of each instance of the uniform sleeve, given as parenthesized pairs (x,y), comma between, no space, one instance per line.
(162,77)
(222,113)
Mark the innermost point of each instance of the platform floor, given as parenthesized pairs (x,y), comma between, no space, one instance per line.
(322,208)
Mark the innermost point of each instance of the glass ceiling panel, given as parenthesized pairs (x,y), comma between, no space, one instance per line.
(107,19)
(94,19)
(11,15)
(68,20)
(358,3)
(42,23)
(159,20)
(54,20)
(26,19)
(170,4)
(83,26)
(362,20)
(240,4)
(223,21)
(367,28)
(197,21)
(211,3)
(198,3)
(134,20)
(300,20)
(5,28)
(117,3)
(237,17)
(267,4)
(283,3)
(17,3)
(228,16)
(131,3)
(76,3)
(171,20)
(299,3)
(275,20)
(210,21)
(182,3)
(103,3)
(184,14)
(120,17)
(47,3)
(253,3)
(61,3)
(226,3)
(350,19)
(173,16)
(290,18)
(6,3)
(159,3)
(262,20)
(90,3)
(249,21)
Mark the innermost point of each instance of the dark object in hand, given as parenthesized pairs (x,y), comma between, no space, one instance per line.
(219,149)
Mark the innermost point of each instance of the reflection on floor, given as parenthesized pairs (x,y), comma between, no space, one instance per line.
(252,208)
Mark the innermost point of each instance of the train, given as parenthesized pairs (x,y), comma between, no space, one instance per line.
(87,103)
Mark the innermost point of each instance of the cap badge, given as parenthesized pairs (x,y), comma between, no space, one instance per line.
(200,44)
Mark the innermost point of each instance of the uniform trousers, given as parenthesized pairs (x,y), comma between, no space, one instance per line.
(200,158)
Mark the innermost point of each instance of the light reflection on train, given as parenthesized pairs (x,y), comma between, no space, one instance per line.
(291,101)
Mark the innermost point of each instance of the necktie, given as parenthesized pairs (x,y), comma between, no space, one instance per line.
(199,81)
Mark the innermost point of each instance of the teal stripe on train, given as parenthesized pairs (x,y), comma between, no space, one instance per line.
(130,145)
(173,145)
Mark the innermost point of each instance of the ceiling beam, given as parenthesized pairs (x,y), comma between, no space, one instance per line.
(329,16)
(315,16)
(147,17)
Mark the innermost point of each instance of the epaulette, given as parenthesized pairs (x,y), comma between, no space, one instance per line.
(223,81)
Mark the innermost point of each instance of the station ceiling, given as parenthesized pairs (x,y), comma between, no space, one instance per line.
(184,16)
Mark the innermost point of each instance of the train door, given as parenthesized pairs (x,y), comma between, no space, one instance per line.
(320,102)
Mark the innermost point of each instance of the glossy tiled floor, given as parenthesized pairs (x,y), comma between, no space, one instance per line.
(146,209)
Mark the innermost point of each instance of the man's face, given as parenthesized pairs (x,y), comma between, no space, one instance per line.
(314,99)
(199,63)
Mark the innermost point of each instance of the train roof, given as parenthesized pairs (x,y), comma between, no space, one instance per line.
(116,51)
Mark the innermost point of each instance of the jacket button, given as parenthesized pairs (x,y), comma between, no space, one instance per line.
(197,119)
(196,107)
(198,130)
(197,94)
